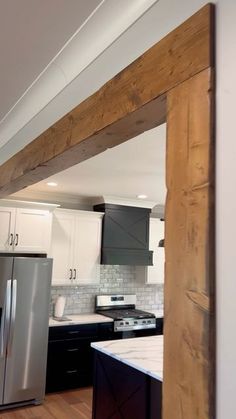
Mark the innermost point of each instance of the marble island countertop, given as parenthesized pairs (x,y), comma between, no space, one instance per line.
(144,354)
(88,318)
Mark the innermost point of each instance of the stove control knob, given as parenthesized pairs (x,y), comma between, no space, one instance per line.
(149,321)
(135,322)
(126,322)
(121,324)
(144,322)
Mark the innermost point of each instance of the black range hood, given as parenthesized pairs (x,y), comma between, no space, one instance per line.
(125,235)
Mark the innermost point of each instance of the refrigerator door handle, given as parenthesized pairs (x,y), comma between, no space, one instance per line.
(5,322)
(13,316)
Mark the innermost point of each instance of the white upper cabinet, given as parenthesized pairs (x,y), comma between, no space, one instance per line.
(24,230)
(154,274)
(87,249)
(7,228)
(32,230)
(63,229)
(76,247)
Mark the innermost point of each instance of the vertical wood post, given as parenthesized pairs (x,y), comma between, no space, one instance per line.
(189,239)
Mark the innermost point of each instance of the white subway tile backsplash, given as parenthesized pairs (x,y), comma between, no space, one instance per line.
(81,299)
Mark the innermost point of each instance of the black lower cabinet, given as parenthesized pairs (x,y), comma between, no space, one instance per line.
(70,358)
(122,392)
(69,364)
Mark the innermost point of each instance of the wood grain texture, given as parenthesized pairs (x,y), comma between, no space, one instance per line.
(118,111)
(35,162)
(189,349)
(76,404)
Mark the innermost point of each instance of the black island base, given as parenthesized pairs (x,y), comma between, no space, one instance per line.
(122,392)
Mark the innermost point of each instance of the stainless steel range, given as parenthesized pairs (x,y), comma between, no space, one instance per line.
(122,309)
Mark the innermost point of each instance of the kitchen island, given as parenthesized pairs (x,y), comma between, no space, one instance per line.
(128,378)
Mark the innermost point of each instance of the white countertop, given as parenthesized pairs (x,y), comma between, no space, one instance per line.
(81,319)
(144,354)
(90,318)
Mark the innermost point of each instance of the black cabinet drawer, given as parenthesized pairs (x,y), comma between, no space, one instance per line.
(69,365)
(69,354)
(73,331)
(68,371)
(71,378)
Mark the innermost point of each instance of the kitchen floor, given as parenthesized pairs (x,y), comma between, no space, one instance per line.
(74,404)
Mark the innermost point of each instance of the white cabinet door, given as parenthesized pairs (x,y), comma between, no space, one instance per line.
(32,230)
(63,230)
(76,247)
(87,248)
(155,273)
(7,226)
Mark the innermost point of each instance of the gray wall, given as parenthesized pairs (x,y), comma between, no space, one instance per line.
(81,299)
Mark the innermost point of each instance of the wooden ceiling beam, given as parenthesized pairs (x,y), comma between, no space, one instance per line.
(98,122)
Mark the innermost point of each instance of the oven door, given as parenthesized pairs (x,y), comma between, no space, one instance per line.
(135,333)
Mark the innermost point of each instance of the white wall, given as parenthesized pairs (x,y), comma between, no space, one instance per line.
(226,209)
(158,21)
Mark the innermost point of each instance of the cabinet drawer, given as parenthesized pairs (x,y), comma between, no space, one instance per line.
(69,365)
(69,354)
(71,378)
(73,331)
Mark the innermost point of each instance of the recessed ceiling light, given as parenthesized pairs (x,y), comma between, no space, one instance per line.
(52,184)
(141,196)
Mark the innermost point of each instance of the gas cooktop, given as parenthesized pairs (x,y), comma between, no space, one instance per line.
(120,314)
(122,309)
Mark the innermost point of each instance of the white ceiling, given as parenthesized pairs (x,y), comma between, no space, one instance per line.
(32,33)
(47,48)
(132,168)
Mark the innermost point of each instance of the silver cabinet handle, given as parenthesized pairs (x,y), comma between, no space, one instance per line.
(70,277)
(73,350)
(16,239)
(11,240)
(74,277)
(13,316)
(71,371)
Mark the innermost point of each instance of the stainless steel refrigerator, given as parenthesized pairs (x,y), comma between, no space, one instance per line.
(24,310)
